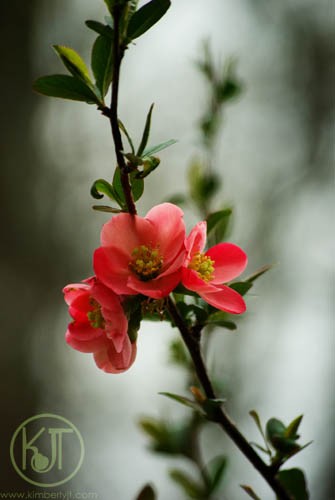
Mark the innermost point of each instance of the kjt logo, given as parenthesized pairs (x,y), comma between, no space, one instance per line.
(47,450)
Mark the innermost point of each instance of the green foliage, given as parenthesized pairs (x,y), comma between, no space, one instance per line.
(147,493)
(137,186)
(148,15)
(294,482)
(202,185)
(102,63)
(101,29)
(219,318)
(102,187)
(215,470)
(191,488)
(146,132)
(159,147)
(66,87)
(178,354)
(242,287)
(74,63)
(167,438)
(185,401)
(249,491)
(217,225)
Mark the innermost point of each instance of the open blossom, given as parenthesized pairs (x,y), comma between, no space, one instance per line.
(99,325)
(142,254)
(205,273)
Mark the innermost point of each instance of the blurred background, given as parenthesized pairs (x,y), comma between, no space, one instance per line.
(274,153)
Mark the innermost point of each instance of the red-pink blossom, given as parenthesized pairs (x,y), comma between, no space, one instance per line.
(205,272)
(142,255)
(99,325)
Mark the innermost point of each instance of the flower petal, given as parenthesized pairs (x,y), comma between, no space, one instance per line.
(196,240)
(230,261)
(125,231)
(156,288)
(190,279)
(72,291)
(84,344)
(225,299)
(167,219)
(110,361)
(113,278)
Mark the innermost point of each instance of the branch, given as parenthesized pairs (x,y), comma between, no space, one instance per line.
(193,345)
(112,112)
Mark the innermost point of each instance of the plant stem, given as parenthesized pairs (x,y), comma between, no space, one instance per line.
(193,345)
(118,53)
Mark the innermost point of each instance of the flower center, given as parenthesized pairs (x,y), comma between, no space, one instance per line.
(146,263)
(95,316)
(203,265)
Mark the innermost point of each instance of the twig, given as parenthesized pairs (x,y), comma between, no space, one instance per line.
(112,112)
(193,345)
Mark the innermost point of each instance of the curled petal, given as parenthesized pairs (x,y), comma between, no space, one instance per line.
(196,240)
(111,361)
(225,299)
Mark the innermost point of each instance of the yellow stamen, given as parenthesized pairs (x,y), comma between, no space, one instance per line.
(147,262)
(95,316)
(203,265)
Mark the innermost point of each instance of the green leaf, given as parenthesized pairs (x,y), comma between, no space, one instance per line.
(216,468)
(146,132)
(259,273)
(147,16)
(294,482)
(137,185)
(125,131)
(275,427)
(292,428)
(159,147)
(66,87)
(177,199)
(184,401)
(249,491)
(100,188)
(100,28)
(110,5)
(102,63)
(73,62)
(149,165)
(254,415)
(147,493)
(106,208)
(192,312)
(217,224)
(241,287)
(228,89)
(190,487)
(202,184)
(275,432)
(220,319)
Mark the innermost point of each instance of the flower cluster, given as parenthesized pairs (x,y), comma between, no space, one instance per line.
(146,256)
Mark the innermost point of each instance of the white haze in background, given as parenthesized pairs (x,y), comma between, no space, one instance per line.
(279,360)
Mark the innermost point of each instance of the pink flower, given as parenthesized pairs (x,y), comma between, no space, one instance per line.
(204,273)
(142,254)
(99,325)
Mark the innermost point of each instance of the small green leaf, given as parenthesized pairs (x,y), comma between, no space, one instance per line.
(211,407)
(73,62)
(275,427)
(259,273)
(228,89)
(147,16)
(110,5)
(100,28)
(217,224)
(106,208)
(159,147)
(146,132)
(220,319)
(66,87)
(147,493)
(254,415)
(249,491)
(294,482)
(216,468)
(125,131)
(190,487)
(102,63)
(292,428)
(149,165)
(137,185)
(241,287)
(100,188)
(184,401)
